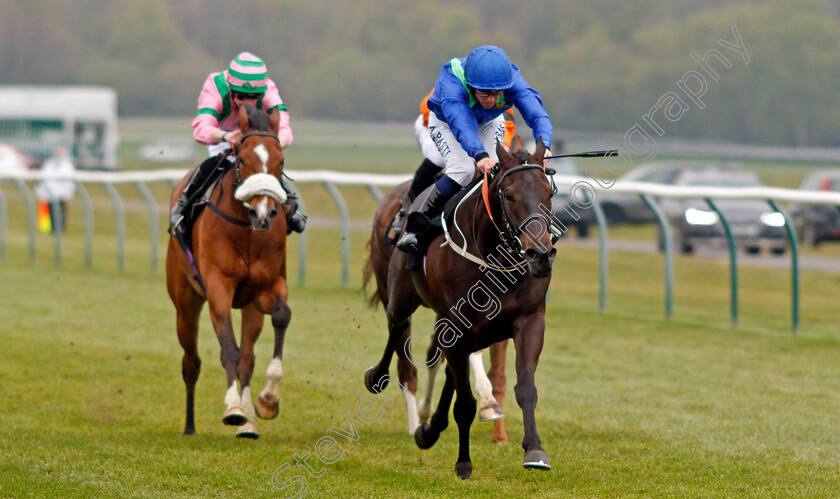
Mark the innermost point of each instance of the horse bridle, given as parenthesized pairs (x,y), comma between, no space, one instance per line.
(237,180)
(237,171)
(516,230)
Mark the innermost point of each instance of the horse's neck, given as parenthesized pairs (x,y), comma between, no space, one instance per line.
(480,231)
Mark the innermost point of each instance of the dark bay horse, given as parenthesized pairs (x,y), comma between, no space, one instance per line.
(239,245)
(486,284)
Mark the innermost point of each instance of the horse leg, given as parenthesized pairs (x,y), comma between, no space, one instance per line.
(188,305)
(401,304)
(252,322)
(407,373)
(188,311)
(464,409)
(377,377)
(434,361)
(528,339)
(498,352)
(488,409)
(427,434)
(268,405)
(220,307)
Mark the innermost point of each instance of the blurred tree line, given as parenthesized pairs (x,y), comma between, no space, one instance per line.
(600,65)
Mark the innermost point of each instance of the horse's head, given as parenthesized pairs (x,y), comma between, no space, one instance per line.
(525,205)
(259,166)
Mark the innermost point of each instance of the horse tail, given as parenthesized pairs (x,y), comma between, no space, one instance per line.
(367,274)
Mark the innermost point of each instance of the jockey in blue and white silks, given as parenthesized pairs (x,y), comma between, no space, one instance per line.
(466,120)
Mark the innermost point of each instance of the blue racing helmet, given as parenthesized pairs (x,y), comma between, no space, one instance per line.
(489,68)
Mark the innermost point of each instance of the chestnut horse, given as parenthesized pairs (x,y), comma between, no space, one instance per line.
(486,279)
(239,248)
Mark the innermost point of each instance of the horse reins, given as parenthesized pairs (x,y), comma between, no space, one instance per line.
(512,229)
(238,172)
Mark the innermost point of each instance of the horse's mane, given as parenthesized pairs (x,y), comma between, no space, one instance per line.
(258,118)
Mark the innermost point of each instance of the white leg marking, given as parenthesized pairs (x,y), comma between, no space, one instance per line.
(232,396)
(411,408)
(482,382)
(247,405)
(275,373)
(426,406)
(262,153)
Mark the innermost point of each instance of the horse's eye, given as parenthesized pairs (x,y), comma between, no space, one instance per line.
(508,197)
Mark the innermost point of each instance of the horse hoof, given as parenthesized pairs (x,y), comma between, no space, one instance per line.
(536,459)
(234,417)
(266,408)
(490,413)
(464,470)
(189,431)
(375,385)
(248,430)
(425,437)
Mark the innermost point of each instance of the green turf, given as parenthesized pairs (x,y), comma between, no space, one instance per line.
(630,405)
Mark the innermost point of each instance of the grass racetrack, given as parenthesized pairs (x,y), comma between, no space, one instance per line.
(630,404)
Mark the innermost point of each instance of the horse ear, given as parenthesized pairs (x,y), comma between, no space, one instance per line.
(274,121)
(505,159)
(244,123)
(517,144)
(539,152)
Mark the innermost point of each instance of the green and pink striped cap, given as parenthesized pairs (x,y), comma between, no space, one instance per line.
(247,74)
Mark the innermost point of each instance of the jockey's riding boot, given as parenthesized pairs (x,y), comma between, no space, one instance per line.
(295,219)
(430,208)
(194,186)
(423,177)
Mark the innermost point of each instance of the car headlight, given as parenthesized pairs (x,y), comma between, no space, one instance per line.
(774,219)
(693,216)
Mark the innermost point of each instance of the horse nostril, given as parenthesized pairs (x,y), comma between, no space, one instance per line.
(252,213)
(531,254)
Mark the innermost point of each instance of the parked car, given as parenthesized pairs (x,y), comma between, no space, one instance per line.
(564,210)
(13,160)
(816,223)
(753,223)
(629,208)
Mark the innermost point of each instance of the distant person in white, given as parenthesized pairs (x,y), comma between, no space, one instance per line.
(57,192)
